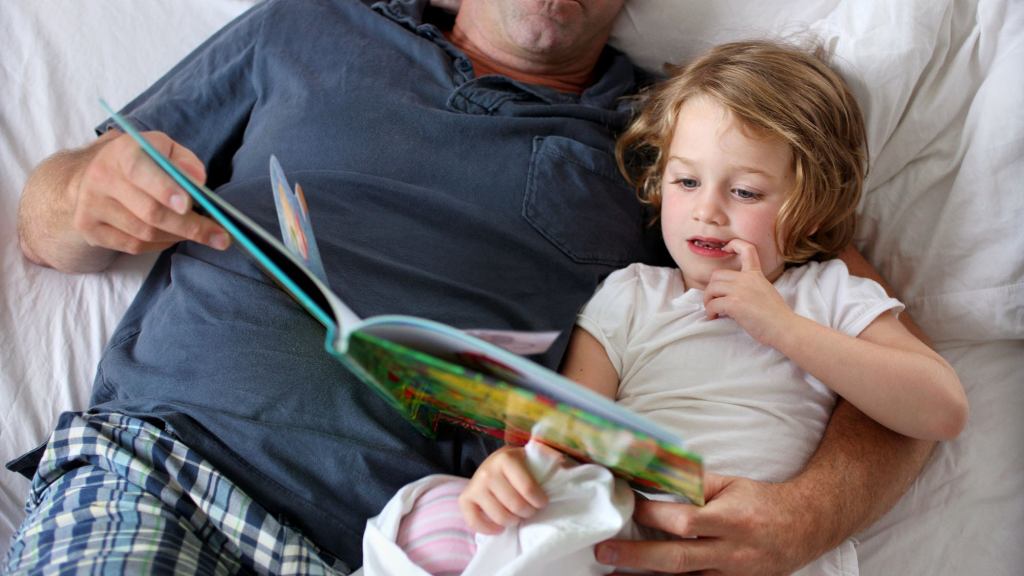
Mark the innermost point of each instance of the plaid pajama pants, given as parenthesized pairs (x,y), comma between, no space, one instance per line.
(115,494)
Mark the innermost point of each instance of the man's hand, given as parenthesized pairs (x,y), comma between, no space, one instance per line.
(745,528)
(501,493)
(81,208)
(124,202)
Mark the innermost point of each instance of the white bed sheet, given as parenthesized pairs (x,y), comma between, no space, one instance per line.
(58,58)
(941,82)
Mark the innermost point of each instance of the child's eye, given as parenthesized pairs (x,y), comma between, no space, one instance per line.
(688,183)
(745,194)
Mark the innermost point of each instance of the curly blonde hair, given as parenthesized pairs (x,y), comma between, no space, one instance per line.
(775,90)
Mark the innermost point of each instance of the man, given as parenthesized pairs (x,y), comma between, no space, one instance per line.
(461,173)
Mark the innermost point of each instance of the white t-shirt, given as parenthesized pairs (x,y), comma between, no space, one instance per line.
(743,406)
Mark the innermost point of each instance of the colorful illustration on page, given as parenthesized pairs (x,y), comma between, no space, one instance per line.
(293,215)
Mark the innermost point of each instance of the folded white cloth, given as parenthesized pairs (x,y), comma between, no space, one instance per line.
(587,505)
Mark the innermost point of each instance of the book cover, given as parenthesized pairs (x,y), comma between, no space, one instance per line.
(433,373)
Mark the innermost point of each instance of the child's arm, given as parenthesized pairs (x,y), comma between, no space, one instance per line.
(885,372)
(502,491)
(587,363)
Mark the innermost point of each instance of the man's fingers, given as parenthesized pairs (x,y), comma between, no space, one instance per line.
(713,484)
(157,200)
(125,202)
(180,156)
(681,520)
(151,213)
(110,237)
(188,226)
(151,221)
(142,173)
(747,253)
(698,549)
(123,219)
(187,162)
(146,175)
(669,556)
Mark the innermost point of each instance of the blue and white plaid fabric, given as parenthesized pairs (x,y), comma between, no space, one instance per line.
(114,494)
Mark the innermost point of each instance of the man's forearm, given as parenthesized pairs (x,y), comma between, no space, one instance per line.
(859,472)
(46,214)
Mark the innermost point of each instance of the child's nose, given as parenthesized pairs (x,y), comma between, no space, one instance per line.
(707,207)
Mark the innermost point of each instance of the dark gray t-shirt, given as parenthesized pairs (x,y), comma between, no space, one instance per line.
(479,202)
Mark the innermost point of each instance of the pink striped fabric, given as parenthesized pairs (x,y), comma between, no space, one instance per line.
(434,535)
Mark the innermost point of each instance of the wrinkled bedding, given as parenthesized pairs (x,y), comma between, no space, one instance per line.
(941,85)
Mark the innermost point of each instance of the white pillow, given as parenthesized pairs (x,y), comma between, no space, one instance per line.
(939,82)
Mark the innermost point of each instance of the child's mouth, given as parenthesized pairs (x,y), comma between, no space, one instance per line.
(708,248)
(708,245)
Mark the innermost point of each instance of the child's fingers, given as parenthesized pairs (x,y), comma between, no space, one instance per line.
(481,509)
(501,492)
(548,451)
(496,510)
(747,253)
(489,495)
(512,499)
(716,293)
(477,519)
(529,495)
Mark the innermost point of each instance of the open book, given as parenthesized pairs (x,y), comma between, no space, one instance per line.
(432,373)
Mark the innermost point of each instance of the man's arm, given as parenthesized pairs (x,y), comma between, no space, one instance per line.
(47,209)
(858,473)
(864,467)
(80,208)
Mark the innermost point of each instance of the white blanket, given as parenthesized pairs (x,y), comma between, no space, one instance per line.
(586,505)
(941,84)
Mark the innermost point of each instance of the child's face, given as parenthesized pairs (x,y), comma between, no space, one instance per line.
(721,182)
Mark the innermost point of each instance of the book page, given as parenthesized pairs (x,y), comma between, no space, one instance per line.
(296,225)
(516,342)
(442,375)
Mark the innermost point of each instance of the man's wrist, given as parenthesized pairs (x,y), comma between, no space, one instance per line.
(806,521)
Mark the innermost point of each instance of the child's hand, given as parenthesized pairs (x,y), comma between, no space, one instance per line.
(747,296)
(501,493)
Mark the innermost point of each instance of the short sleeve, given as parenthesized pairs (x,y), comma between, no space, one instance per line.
(608,315)
(855,302)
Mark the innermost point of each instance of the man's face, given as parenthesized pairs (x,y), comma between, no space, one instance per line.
(544,30)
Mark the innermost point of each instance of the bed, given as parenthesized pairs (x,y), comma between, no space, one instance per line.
(941,82)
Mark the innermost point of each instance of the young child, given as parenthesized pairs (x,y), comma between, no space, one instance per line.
(755,156)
